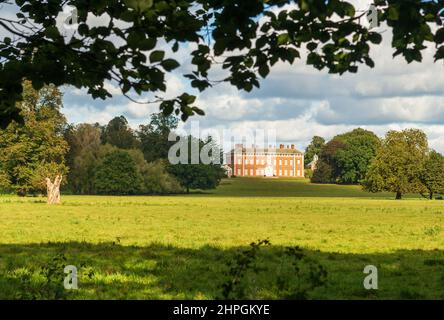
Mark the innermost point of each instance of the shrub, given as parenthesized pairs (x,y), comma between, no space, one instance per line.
(117,175)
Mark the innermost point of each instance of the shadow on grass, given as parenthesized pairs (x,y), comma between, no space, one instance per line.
(113,271)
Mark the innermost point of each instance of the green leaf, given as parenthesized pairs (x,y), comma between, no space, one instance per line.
(170,64)
(147,44)
(175,46)
(349,9)
(283,38)
(375,37)
(157,56)
(439,36)
(440,53)
(264,70)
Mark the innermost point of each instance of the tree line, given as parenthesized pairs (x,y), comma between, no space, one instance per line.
(93,159)
(401,162)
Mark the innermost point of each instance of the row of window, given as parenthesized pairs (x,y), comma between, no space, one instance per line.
(269,154)
(262,161)
(261,172)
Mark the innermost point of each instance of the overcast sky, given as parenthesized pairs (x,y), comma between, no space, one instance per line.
(299,101)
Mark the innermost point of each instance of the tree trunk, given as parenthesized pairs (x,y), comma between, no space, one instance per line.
(431,196)
(188,189)
(53,190)
(398,195)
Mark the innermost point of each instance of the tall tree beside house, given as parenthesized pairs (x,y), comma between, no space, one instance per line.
(327,168)
(399,163)
(353,160)
(154,136)
(315,147)
(118,133)
(346,157)
(432,176)
(35,150)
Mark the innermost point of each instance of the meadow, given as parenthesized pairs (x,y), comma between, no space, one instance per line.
(180,247)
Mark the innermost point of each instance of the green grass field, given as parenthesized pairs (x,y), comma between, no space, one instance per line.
(178,247)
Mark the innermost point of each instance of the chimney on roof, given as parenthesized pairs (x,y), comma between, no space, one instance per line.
(292,147)
(281,146)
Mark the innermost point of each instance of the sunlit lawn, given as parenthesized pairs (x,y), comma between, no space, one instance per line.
(178,246)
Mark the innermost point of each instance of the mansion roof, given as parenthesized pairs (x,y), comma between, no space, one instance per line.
(272,150)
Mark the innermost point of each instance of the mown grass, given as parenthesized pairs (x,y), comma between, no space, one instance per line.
(177,247)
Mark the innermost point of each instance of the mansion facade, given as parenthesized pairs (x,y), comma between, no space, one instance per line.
(266,162)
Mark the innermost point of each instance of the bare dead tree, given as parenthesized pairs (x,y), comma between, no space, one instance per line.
(53,190)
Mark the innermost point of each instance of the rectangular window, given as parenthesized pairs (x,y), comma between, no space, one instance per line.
(251,172)
(238,172)
(274,161)
(280,161)
(299,161)
(291,162)
(280,172)
(299,173)
(286,162)
(285,173)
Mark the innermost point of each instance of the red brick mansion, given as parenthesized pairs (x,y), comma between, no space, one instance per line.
(266,162)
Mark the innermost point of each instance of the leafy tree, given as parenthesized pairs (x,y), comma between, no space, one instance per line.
(245,37)
(85,153)
(323,173)
(399,163)
(154,136)
(346,157)
(117,175)
(200,175)
(432,176)
(353,160)
(155,177)
(119,134)
(313,148)
(31,152)
(327,170)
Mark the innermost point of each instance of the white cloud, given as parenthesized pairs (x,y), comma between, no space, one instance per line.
(299,101)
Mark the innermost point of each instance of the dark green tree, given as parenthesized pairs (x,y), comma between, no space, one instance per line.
(199,175)
(155,177)
(246,37)
(119,134)
(85,154)
(313,148)
(328,170)
(153,137)
(399,163)
(353,160)
(117,175)
(432,176)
